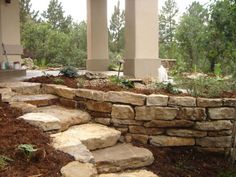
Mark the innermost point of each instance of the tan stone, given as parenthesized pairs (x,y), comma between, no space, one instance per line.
(140,138)
(67,117)
(122,112)
(41,120)
(182,101)
(221,113)
(93,136)
(214,125)
(186,133)
(68,103)
(122,157)
(90,94)
(123,130)
(144,130)
(117,122)
(157,100)
(214,142)
(72,146)
(24,107)
(229,102)
(155,113)
(220,133)
(7,94)
(38,100)
(23,87)
(139,173)
(77,169)
(167,141)
(125,97)
(198,114)
(103,121)
(170,124)
(59,90)
(207,102)
(99,106)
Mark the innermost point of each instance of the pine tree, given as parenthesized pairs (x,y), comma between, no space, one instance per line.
(26,12)
(167,21)
(55,16)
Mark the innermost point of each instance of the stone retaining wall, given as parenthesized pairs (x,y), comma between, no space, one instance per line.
(157,119)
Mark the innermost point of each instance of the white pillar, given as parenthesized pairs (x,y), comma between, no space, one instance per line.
(97,35)
(141,36)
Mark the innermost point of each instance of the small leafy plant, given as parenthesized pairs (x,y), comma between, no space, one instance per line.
(167,86)
(121,82)
(28,150)
(69,71)
(58,81)
(4,161)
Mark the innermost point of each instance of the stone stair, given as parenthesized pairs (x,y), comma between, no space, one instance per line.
(95,147)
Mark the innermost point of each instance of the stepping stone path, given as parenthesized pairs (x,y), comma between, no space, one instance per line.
(95,147)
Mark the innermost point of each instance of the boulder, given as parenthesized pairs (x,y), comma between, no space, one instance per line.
(122,112)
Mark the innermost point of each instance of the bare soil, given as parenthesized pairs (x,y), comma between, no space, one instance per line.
(47,162)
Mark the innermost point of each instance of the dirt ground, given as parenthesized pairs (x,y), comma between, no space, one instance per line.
(47,162)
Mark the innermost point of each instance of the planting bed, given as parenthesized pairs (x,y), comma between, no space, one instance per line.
(14,132)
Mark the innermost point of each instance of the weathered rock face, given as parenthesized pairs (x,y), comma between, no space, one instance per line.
(121,157)
(140,138)
(145,131)
(90,94)
(67,117)
(72,146)
(214,125)
(122,112)
(41,120)
(99,106)
(119,122)
(155,113)
(24,107)
(77,169)
(125,97)
(182,101)
(214,142)
(60,90)
(25,88)
(93,136)
(186,133)
(7,94)
(138,173)
(221,113)
(157,100)
(164,141)
(103,121)
(229,102)
(198,114)
(170,124)
(206,102)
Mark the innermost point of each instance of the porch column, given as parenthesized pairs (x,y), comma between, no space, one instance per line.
(141,36)
(97,35)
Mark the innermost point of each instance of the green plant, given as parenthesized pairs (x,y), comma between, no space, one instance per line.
(69,71)
(228,173)
(121,82)
(28,150)
(167,86)
(58,80)
(218,70)
(4,161)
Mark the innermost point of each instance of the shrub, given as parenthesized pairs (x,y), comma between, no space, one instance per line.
(167,86)
(69,71)
(4,160)
(58,81)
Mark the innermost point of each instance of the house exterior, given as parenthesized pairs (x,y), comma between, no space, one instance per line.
(141,36)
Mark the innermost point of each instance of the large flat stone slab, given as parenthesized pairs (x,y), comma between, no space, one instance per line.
(122,157)
(41,120)
(22,87)
(72,146)
(93,136)
(24,107)
(67,117)
(137,173)
(77,169)
(7,94)
(38,99)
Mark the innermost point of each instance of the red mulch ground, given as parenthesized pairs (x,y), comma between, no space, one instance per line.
(188,162)
(14,132)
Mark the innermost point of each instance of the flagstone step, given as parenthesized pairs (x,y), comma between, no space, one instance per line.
(56,118)
(122,157)
(22,87)
(93,136)
(137,173)
(37,100)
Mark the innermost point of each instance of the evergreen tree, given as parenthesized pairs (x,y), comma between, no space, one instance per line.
(116,30)
(26,12)
(55,16)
